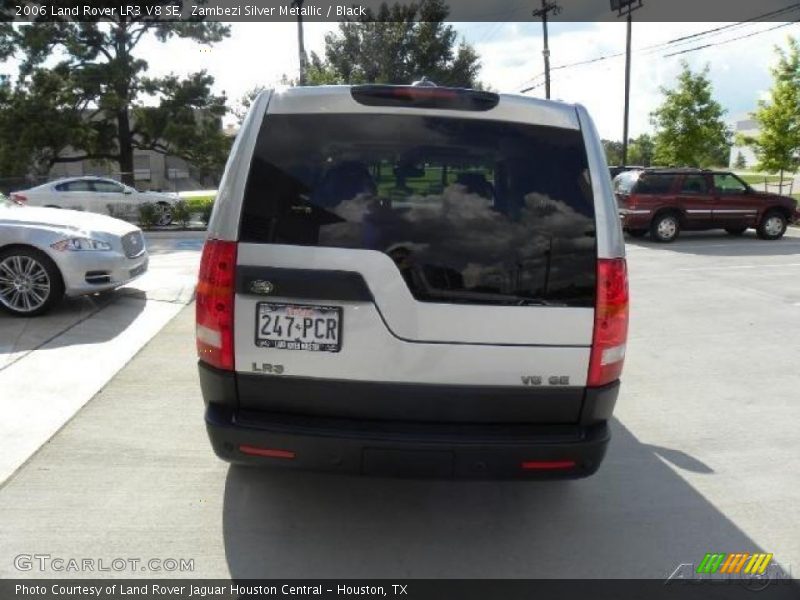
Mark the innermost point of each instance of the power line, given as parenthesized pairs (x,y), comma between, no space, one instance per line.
(704,46)
(647,50)
(736,39)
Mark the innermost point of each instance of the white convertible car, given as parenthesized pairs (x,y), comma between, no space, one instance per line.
(47,253)
(98,195)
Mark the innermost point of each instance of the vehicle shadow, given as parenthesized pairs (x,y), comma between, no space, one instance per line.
(70,322)
(719,243)
(636,518)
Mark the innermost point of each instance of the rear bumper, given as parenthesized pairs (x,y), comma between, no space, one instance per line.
(406,448)
(635,219)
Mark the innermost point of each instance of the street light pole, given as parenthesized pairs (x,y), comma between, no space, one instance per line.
(626,7)
(301,51)
(627,91)
(542,13)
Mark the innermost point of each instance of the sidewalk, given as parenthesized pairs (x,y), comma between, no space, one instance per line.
(132,475)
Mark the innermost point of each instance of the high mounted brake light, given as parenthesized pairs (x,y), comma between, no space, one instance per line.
(418,96)
(610,322)
(214,304)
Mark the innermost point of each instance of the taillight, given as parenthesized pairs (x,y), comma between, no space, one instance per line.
(214,304)
(415,96)
(19,198)
(610,322)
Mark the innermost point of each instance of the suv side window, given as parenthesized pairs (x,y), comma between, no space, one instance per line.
(654,183)
(694,184)
(728,184)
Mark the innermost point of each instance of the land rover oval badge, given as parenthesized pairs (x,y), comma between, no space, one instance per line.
(259,286)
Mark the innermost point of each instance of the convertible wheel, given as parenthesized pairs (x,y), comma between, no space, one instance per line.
(30,283)
(163,214)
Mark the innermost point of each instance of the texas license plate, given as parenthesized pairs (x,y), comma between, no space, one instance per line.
(298,327)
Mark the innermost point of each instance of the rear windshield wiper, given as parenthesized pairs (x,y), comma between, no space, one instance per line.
(469,297)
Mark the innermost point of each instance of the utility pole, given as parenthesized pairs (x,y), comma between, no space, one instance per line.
(301,50)
(626,7)
(547,7)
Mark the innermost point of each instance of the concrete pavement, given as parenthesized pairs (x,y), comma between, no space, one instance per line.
(52,365)
(701,459)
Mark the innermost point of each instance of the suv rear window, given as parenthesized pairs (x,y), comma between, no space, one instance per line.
(471,211)
(653,183)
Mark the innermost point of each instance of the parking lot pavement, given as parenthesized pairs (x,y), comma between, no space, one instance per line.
(702,459)
(52,365)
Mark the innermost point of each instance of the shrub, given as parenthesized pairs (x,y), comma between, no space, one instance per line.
(148,216)
(205,213)
(181,213)
(116,211)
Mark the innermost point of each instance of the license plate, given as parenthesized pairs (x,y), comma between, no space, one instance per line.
(298,327)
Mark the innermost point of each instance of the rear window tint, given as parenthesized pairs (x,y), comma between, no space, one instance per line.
(694,184)
(471,211)
(651,183)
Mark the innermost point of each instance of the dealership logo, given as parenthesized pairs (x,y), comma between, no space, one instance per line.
(737,563)
(755,571)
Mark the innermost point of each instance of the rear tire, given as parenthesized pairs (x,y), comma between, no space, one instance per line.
(665,228)
(30,282)
(772,226)
(636,233)
(736,230)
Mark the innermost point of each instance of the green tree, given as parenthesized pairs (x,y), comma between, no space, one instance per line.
(778,142)
(689,126)
(241,107)
(97,99)
(397,44)
(613,152)
(641,150)
(741,162)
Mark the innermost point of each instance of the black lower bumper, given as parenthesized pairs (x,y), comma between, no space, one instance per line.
(402,448)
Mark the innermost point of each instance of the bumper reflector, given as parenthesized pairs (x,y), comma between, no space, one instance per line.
(268,452)
(547,465)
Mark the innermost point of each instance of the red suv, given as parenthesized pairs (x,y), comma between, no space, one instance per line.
(664,201)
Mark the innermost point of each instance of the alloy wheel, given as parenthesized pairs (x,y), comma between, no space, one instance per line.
(24,283)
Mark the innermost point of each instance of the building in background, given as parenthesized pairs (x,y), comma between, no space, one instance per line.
(151,171)
(747,128)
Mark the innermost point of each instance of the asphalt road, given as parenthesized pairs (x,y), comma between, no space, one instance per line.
(702,459)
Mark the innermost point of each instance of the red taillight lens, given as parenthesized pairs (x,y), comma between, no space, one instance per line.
(547,465)
(268,452)
(424,97)
(214,304)
(19,198)
(610,322)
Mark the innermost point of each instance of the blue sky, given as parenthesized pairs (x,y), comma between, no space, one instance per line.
(259,53)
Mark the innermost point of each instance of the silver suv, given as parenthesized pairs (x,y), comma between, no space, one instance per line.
(413,281)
